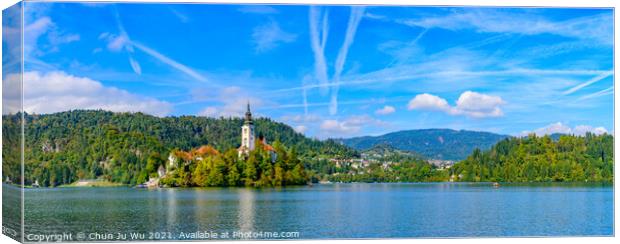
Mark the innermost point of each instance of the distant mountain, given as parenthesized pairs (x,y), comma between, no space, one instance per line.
(445,144)
(386,152)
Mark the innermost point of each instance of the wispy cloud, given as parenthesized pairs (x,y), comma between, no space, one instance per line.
(269,36)
(597,27)
(601,93)
(589,82)
(181,16)
(231,102)
(122,41)
(354,19)
(348,126)
(44,28)
(318,40)
(169,61)
(385,110)
(396,74)
(258,9)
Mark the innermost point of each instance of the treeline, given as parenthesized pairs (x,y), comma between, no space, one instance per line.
(260,168)
(129,148)
(63,147)
(541,159)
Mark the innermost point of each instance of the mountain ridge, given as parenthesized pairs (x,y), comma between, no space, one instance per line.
(434,143)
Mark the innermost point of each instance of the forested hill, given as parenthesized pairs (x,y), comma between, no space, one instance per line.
(82,143)
(569,158)
(443,144)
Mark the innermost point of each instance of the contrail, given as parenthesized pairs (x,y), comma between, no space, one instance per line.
(169,61)
(318,39)
(607,91)
(354,19)
(130,44)
(589,82)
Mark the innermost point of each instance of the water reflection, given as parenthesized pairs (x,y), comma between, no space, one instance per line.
(171,204)
(245,216)
(331,211)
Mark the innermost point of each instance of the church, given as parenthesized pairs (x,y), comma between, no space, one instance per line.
(248,140)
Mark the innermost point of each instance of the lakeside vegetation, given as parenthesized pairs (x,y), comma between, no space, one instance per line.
(542,159)
(130,148)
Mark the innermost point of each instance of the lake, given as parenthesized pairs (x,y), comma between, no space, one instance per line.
(331,211)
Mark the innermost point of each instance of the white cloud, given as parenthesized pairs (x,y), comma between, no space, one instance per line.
(116,43)
(385,110)
(233,103)
(57,91)
(471,104)
(331,126)
(427,101)
(583,129)
(561,128)
(301,129)
(348,126)
(208,112)
(269,36)
(479,105)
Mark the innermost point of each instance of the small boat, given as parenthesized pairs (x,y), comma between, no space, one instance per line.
(141,186)
(495,184)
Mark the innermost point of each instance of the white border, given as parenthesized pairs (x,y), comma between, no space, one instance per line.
(499,3)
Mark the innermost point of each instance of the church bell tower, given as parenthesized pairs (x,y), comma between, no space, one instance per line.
(247,133)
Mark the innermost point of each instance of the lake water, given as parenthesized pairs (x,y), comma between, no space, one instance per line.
(325,211)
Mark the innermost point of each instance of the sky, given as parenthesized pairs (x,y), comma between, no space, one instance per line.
(327,71)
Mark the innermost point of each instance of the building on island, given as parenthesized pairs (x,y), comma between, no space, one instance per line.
(179,158)
(248,139)
(247,134)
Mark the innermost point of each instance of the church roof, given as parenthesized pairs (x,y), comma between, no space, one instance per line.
(206,149)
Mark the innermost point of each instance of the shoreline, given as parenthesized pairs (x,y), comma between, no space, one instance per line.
(115,185)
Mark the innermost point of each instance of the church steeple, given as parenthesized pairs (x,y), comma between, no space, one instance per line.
(247,134)
(248,115)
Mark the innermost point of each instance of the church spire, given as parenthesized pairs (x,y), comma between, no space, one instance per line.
(248,115)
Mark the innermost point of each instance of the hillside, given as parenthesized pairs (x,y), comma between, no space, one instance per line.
(542,159)
(63,147)
(442,144)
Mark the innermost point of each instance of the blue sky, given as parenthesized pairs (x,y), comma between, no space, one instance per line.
(332,71)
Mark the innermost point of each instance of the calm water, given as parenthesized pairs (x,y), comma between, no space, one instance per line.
(330,211)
